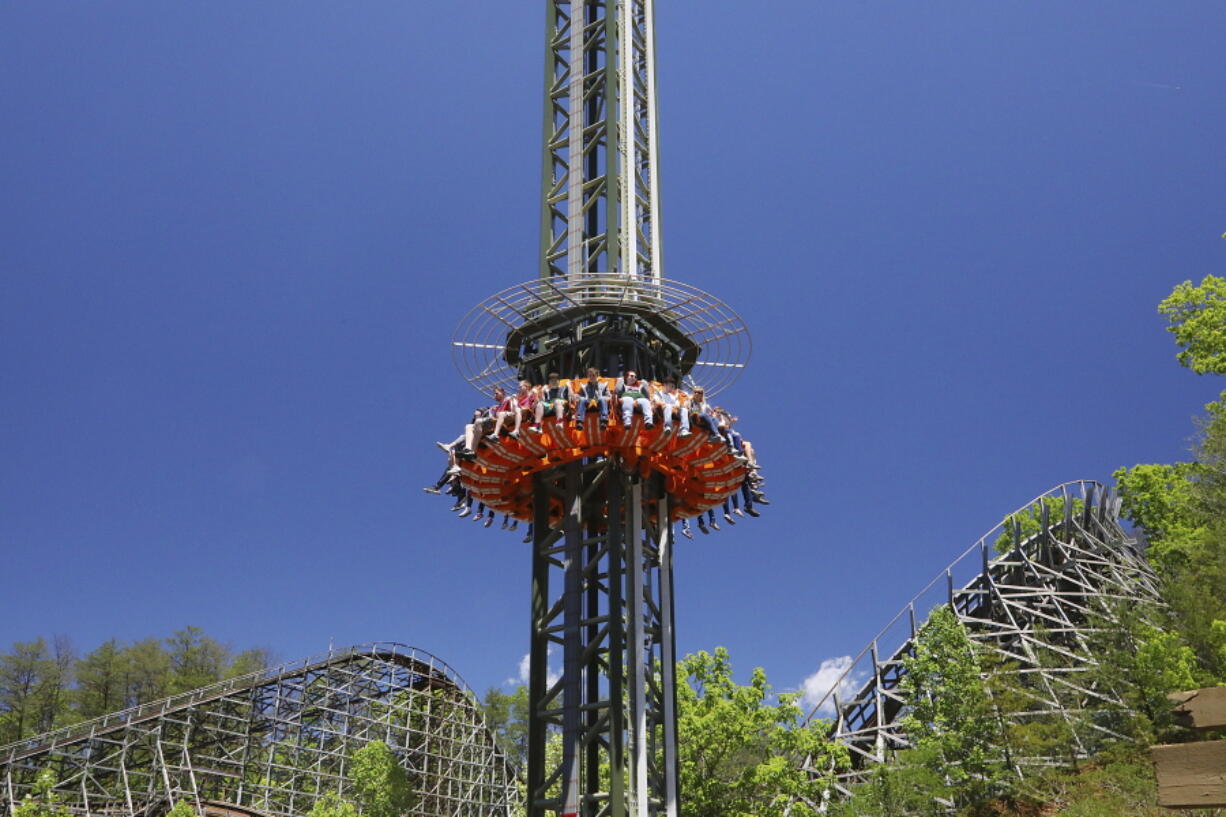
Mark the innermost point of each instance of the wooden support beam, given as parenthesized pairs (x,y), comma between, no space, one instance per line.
(1200,708)
(1191,775)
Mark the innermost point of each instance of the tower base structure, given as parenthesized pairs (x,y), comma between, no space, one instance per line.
(602,596)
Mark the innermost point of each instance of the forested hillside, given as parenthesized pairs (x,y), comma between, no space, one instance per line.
(46,683)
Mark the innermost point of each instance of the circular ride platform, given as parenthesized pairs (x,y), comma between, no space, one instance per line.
(699,473)
(662,329)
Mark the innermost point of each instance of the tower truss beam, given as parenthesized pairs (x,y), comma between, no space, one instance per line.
(600,176)
(602,596)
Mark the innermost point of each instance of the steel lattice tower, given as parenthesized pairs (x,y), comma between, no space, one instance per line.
(602,499)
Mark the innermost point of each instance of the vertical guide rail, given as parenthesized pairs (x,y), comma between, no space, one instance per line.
(668,664)
(640,793)
(572,644)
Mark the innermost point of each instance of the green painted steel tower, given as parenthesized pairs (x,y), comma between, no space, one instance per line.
(602,498)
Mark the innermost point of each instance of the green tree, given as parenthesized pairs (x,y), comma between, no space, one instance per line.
(42,801)
(182,809)
(953,724)
(249,661)
(1197,318)
(331,805)
(1181,508)
(102,680)
(380,786)
(54,693)
(507,717)
(740,754)
(196,660)
(23,671)
(148,671)
(1160,500)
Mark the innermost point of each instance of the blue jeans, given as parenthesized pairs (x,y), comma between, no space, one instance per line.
(603,405)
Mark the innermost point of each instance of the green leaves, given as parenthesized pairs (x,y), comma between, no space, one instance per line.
(42,801)
(952,722)
(1197,318)
(740,748)
(182,809)
(331,805)
(380,785)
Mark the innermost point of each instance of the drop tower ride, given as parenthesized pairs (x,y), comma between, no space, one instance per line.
(602,497)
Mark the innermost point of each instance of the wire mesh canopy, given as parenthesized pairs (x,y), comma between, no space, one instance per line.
(486,341)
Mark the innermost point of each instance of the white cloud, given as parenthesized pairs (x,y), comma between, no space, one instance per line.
(830,673)
(525,666)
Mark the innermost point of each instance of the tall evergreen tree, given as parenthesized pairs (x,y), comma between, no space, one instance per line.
(102,680)
(196,660)
(148,671)
(22,674)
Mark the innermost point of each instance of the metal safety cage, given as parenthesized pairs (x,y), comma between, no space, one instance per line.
(610,322)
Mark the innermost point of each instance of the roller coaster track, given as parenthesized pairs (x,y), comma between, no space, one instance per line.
(270,743)
(1030,592)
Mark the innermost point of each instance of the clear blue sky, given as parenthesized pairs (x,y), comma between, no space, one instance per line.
(235,238)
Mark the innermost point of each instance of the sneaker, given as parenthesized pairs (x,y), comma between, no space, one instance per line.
(738,512)
(752,512)
(453,470)
(687,533)
(443,446)
(514,435)
(649,426)
(458,506)
(431,490)
(489,520)
(465,512)
(761,500)
(714,525)
(480,515)
(667,429)
(466,454)
(527,538)
(728,518)
(579,426)
(685,432)
(514,524)
(505,524)
(702,526)
(535,429)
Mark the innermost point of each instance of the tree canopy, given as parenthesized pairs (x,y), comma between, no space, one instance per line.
(45,684)
(1197,318)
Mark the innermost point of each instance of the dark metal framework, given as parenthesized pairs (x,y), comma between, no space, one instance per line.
(599,202)
(1033,601)
(273,742)
(602,576)
(602,592)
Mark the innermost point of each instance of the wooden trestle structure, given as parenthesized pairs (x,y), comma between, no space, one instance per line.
(1032,601)
(274,742)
